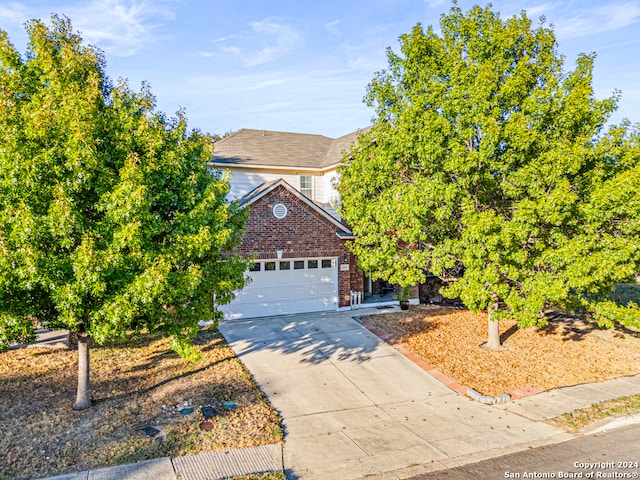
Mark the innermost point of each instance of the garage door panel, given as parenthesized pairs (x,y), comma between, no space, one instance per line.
(279,292)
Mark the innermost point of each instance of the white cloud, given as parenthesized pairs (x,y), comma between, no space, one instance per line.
(599,19)
(271,107)
(539,10)
(15,13)
(286,100)
(437,3)
(332,27)
(618,45)
(274,37)
(368,56)
(259,85)
(120,27)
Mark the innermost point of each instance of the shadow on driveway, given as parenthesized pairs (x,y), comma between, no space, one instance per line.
(313,338)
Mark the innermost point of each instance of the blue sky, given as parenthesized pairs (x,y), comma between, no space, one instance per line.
(304,66)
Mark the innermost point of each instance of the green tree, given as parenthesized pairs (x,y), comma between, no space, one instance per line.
(487,158)
(110,222)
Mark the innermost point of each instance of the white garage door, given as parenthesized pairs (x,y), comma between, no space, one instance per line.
(280,287)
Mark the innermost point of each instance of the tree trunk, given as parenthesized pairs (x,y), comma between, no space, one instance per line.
(493,340)
(83,397)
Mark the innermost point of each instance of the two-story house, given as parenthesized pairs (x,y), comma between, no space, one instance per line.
(288,182)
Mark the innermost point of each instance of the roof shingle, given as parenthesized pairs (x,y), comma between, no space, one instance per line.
(281,149)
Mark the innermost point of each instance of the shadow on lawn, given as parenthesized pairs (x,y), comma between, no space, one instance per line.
(61,381)
(576,327)
(507,333)
(136,391)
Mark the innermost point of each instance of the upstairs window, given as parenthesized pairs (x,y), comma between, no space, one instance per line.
(306,186)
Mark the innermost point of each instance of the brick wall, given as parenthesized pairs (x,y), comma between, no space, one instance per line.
(301,233)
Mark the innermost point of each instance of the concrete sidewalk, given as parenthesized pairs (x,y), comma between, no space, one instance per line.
(353,406)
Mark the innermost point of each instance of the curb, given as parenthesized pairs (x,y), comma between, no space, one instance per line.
(611,423)
(229,463)
(216,465)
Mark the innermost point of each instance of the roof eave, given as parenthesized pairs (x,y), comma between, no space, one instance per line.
(273,167)
(345,236)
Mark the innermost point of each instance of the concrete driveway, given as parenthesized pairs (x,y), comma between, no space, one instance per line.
(353,406)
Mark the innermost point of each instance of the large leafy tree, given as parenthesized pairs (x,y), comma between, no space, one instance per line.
(110,222)
(487,159)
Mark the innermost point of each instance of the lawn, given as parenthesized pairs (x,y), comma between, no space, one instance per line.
(135,384)
(568,351)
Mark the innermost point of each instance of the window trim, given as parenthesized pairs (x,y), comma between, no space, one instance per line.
(309,189)
(300,263)
(256,267)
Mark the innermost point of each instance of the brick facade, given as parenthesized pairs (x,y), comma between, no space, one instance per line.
(302,233)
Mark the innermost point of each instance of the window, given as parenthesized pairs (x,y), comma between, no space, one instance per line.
(298,265)
(312,264)
(269,266)
(326,263)
(255,267)
(285,265)
(306,186)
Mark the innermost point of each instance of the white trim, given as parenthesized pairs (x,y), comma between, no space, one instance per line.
(346,237)
(335,264)
(303,198)
(275,167)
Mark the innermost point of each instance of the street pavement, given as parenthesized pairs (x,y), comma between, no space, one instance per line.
(611,454)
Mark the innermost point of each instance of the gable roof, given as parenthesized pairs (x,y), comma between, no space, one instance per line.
(268,149)
(260,191)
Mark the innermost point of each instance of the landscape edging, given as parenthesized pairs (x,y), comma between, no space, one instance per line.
(447,380)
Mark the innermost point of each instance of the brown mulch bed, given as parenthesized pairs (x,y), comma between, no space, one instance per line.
(568,351)
(135,384)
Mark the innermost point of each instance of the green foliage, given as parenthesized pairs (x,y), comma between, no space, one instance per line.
(109,218)
(404,294)
(487,158)
(624,293)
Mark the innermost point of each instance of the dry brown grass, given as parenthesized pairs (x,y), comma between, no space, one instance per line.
(136,384)
(577,419)
(568,351)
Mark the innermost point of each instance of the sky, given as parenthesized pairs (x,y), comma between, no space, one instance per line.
(303,66)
